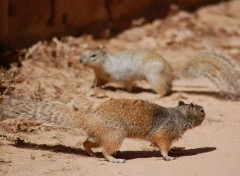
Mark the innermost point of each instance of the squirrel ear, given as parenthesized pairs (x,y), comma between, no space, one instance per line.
(102,48)
(99,47)
(191,106)
(181,103)
(191,109)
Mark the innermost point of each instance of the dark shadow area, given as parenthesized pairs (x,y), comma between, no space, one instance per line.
(140,89)
(113,88)
(134,90)
(208,93)
(123,154)
(176,153)
(55,148)
(9,57)
(217,95)
(137,90)
(190,152)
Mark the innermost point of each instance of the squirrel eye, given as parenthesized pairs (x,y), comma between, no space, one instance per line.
(93,55)
(202,111)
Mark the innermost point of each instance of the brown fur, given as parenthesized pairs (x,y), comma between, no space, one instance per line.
(113,121)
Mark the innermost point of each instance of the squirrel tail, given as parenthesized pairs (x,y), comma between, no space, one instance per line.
(221,71)
(51,112)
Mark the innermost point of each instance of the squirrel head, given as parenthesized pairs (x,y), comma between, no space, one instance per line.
(94,58)
(194,113)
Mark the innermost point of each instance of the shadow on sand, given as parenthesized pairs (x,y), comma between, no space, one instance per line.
(124,154)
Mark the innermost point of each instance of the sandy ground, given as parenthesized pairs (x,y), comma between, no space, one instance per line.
(50,70)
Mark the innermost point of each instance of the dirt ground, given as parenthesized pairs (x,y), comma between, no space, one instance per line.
(51,70)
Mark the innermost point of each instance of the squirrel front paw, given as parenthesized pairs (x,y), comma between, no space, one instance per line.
(168,158)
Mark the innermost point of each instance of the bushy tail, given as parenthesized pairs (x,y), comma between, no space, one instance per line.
(51,112)
(220,70)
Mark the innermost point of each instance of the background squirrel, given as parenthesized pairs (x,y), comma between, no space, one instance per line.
(112,121)
(131,65)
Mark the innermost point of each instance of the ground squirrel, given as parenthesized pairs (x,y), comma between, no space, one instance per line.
(131,65)
(112,121)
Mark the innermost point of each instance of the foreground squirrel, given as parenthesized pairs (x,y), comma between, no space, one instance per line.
(131,65)
(113,121)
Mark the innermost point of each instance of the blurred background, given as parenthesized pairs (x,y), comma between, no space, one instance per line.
(27,21)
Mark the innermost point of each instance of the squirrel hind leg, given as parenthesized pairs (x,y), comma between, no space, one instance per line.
(159,84)
(112,159)
(98,82)
(110,147)
(89,144)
